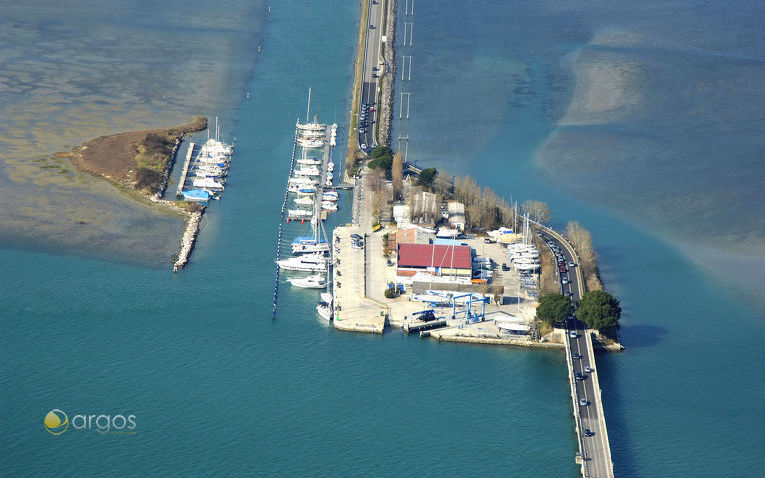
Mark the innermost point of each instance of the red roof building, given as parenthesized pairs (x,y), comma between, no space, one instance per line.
(435,259)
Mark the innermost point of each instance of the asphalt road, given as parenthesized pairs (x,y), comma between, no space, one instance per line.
(596,456)
(371,69)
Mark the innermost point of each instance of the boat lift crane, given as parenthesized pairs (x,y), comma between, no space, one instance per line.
(469,316)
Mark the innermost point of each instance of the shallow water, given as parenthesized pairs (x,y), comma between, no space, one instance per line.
(71,72)
(599,109)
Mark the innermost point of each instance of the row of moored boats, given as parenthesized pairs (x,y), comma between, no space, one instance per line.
(207,173)
(311,253)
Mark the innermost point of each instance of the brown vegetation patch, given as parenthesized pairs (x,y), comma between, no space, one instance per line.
(116,157)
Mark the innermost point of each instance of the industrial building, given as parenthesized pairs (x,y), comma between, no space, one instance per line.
(438,260)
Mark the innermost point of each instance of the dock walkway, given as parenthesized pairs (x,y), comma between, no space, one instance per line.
(185,171)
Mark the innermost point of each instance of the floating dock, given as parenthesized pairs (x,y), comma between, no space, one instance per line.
(414,326)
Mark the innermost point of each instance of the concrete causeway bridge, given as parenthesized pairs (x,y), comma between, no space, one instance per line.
(592,436)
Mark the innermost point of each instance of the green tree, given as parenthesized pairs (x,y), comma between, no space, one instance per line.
(426,177)
(382,158)
(381,151)
(600,310)
(554,308)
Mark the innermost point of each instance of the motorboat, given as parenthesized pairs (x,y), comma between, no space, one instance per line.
(329,206)
(314,281)
(325,310)
(309,161)
(304,201)
(307,262)
(196,195)
(330,166)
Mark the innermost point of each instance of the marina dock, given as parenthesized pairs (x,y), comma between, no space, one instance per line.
(185,170)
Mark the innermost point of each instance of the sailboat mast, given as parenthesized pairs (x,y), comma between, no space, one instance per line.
(308,109)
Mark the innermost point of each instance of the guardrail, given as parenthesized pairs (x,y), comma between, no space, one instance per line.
(601,415)
(575,404)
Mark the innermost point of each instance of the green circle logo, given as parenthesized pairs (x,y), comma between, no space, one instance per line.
(56,422)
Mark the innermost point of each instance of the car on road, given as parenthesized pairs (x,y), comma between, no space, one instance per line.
(588,369)
(582,401)
(356,236)
(562,269)
(578,376)
(564,281)
(390,262)
(364,146)
(588,432)
(371,27)
(577,357)
(371,108)
(363,130)
(572,334)
(572,264)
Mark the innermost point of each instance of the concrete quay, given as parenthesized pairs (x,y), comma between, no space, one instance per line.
(353,311)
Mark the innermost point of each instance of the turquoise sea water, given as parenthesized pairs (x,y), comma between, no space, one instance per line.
(524,113)
(218,388)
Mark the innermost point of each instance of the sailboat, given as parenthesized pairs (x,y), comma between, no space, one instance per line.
(313,244)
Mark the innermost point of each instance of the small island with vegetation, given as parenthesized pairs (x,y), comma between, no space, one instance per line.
(135,160)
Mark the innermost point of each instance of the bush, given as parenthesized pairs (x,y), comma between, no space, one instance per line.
(391,293)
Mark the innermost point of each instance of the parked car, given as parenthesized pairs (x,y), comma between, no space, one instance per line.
(588,432)
(582,401)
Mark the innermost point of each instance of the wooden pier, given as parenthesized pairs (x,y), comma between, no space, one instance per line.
(185,171)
